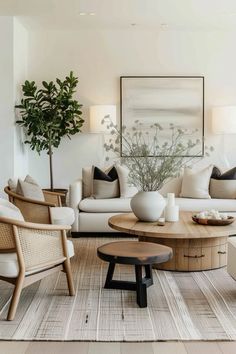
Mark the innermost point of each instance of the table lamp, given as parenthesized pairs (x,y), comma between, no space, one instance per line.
(224,122)
(99,113)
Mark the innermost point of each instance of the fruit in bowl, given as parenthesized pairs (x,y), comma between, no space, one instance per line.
(212,214)
(213,218)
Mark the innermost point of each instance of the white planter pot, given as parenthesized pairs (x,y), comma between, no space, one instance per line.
(148,206)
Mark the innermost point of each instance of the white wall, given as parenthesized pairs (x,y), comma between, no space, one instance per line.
(6,101)
(100,57)
(20,56)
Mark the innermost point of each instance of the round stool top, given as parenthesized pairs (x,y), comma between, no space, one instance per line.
(134,252)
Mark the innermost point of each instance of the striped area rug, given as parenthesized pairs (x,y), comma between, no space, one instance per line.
(181,306)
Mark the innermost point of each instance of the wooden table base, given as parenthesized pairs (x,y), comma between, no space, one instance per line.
(140,286)
(192,254)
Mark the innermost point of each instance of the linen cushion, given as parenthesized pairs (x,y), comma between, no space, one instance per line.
(195,184)
(223,188)
(105,184)
(62,215)
(9,210)
(29,189)
(87,181)
(172,186)
(9,264)
(126,189)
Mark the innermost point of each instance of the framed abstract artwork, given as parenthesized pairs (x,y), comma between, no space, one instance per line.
(166,101)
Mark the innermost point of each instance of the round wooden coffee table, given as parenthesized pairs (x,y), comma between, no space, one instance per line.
(195,247)
(137,254)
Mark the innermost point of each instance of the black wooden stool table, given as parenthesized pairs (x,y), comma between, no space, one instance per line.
(139,254)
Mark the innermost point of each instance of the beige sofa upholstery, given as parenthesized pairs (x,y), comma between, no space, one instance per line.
(91,215)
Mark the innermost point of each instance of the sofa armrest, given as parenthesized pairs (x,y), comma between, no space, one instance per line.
(75,196)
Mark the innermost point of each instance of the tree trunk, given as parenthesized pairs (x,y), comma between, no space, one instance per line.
(50,168)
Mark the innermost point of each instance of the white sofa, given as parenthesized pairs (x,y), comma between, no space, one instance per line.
(91,215)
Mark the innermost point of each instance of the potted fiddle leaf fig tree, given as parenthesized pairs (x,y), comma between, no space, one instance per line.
(49,114)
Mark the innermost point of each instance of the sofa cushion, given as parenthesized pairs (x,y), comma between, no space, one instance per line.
(126,189)
(9,264)
(195,184)
(223,188)
(112,205)
(87,181)
(188,204)
(119,205)
(105,183)
(172,186)
(62,215)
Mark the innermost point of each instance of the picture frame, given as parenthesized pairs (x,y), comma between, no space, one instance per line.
(164,99)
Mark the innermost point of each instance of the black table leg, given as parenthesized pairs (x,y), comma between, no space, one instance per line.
(110,273)
(141,287)
(148,273)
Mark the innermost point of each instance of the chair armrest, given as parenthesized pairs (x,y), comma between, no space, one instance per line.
(75,196)
(75,193)
(34,226)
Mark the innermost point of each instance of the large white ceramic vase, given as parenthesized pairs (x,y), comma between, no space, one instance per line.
(148,206)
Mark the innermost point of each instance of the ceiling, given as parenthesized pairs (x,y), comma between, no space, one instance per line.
(123,14)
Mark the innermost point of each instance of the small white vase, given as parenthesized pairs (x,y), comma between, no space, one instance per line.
(171,210)
(148,206)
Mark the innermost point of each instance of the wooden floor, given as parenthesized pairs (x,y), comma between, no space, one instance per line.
(117,348)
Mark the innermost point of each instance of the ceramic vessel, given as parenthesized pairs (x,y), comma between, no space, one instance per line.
(148,206)
(171,210)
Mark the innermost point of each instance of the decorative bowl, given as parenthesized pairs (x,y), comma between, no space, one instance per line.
(213,222)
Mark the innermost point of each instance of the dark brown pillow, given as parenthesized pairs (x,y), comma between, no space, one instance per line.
(229,175)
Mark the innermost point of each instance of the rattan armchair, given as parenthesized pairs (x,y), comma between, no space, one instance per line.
(40,251)
(34,210)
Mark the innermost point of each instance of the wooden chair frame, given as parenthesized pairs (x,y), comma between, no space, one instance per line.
(13,237)
(34,210)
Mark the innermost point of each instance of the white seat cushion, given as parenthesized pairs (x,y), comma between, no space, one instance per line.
(120,205)
(62,215)
(188,204)
(9,264)
(112,205)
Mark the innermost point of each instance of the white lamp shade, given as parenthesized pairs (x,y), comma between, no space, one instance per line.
(99,113)
(224,120)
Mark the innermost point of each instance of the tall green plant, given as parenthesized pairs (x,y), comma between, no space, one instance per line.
(50,113)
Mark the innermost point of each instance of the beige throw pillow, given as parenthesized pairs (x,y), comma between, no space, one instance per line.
(223,188)
(105,184)
(195,184)
(30,189)
(126,189)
